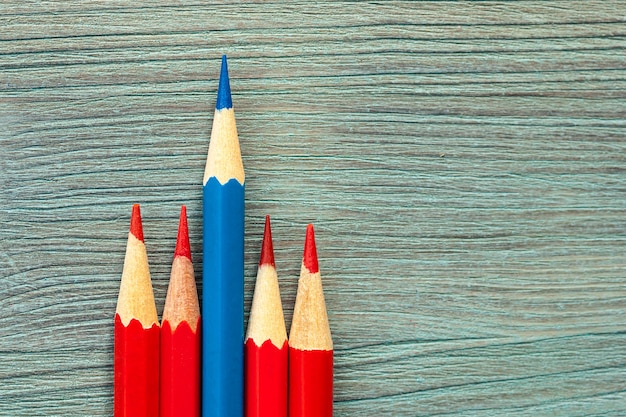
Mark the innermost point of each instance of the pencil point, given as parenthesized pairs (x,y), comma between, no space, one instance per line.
(224,100)
(310,252)
(183,248)
(267,249)
(135,223)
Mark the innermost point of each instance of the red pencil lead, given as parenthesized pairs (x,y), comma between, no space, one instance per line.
(267,248)
(135,223)
(310,252)
(183,248)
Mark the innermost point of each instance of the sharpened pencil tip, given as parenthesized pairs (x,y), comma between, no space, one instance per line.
(267,249)
(135,223)
(183,248)
(224,100)
(310,252)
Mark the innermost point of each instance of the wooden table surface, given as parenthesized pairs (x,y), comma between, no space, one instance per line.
(464,164)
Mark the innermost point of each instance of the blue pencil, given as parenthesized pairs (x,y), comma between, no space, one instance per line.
(222,289)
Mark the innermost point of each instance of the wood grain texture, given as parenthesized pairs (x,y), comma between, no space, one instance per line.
(464,164)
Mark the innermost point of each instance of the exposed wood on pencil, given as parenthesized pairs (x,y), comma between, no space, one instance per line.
(224,157)
(181,302)
(266,320)
(309,327)
(136,298)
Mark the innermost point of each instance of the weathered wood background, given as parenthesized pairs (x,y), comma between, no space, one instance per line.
(464,164)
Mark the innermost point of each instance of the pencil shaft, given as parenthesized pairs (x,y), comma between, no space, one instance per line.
(266,379)
(136,369)
(310,383)
(266,350)
(136,343)
(310,342)
(222,307)
(180,334)
(180,370)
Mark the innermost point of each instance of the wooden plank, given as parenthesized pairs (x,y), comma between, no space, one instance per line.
(463,162)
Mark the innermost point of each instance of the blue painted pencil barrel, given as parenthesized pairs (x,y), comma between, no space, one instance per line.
(222,304)
(222,276)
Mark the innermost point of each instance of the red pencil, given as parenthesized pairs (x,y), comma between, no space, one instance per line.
(310,343)
(266,341)
(136,346)
(180,334)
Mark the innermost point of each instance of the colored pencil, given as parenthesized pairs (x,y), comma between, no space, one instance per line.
(266,350)
(310,343)
(180,334)
(222,307)
(136,346)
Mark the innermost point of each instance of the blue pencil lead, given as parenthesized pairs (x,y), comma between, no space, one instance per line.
(224,100)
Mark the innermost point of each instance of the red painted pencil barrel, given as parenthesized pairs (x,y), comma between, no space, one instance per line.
(180,370)
(265,379)
(136,370)
(310,383)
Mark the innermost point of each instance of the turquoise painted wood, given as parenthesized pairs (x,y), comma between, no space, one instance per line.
(464,164)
